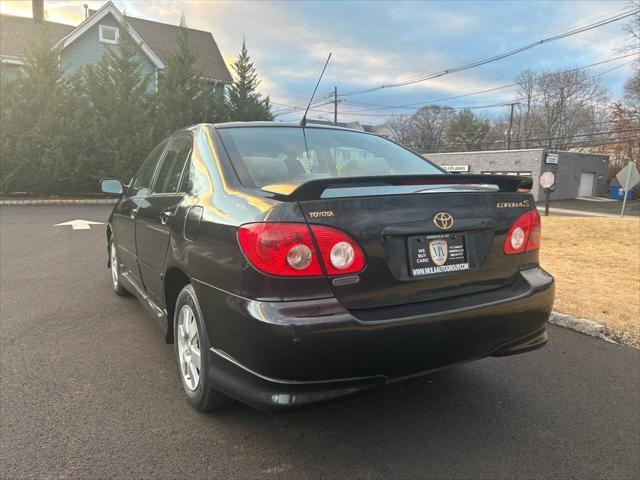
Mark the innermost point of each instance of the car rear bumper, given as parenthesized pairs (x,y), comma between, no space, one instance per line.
(282,355)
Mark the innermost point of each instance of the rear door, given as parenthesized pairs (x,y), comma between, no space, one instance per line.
(154,218)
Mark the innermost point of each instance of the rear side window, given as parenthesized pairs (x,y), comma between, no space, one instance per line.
(175,159)
(292,154)
(141,185)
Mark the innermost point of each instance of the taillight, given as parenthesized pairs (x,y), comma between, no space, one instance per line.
(536,231)
(282,249)
(340,253)
(288,249)
(524,234)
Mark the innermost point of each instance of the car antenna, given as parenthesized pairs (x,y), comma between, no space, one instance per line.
(303,122)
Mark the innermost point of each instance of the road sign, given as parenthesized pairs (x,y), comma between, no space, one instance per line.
(552,158)
(628,177)
(78,224)
(547,179)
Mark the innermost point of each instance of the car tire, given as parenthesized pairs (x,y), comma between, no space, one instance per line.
(116,282)
(191,346)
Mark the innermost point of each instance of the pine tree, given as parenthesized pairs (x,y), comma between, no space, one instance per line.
(30,154)
(120,123)
(244,102)
(180,87)
(466,132)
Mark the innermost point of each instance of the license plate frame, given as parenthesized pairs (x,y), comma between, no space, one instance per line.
(428,256)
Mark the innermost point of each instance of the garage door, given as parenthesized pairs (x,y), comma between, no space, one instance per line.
(586,184)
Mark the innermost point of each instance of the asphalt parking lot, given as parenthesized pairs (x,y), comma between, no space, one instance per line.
(90,390)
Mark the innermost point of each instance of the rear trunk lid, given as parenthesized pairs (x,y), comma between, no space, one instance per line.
(425,237)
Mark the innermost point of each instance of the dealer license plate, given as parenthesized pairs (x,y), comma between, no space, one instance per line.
(436,254)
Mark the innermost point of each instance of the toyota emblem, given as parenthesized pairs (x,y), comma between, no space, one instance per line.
(443,220)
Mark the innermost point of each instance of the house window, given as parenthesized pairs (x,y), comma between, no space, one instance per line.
(108,34)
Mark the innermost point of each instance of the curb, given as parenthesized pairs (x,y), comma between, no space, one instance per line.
(582,325)
(592,328)
(60,201)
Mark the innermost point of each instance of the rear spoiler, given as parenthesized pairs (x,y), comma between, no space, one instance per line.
(313,189)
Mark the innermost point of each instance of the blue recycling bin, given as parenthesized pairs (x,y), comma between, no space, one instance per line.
(616,192)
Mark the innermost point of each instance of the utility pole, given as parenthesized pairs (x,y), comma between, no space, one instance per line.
(335,105)
(510,127)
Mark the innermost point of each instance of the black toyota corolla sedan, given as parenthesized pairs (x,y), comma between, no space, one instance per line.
(293,265)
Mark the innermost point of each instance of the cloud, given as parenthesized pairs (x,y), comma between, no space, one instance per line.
(375,43)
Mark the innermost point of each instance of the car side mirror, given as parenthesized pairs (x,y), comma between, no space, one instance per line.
(111,186)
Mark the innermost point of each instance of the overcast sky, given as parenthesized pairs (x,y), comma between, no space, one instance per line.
(376,43)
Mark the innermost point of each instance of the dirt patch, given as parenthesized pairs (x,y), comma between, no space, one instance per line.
(596,263)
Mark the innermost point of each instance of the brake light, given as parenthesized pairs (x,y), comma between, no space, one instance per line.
(288,249)
(340,253)
(524,234)
(282,249)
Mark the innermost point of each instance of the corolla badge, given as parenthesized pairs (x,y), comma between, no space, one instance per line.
(443,220)
(439,251)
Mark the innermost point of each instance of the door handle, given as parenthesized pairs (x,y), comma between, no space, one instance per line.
(165,216)
(133,212)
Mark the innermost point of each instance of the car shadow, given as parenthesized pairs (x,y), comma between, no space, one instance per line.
(449,415)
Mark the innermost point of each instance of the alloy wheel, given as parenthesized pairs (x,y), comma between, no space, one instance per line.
(189,348)
(114,266)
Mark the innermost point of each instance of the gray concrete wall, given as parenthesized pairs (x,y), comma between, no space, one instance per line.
(510,161)
(571,165)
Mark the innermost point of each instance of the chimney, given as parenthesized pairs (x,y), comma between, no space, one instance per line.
(37,7)
(86,11)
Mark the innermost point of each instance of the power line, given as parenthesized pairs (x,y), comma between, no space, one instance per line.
(592,134)
(381,107)
(580,144)
(470,107)
(364,113)
(297,107)
(499,56)
(604,141)
(434,100)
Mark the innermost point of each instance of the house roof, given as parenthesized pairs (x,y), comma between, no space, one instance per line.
(17,32)
(161,38)
(158,40)
(110,9)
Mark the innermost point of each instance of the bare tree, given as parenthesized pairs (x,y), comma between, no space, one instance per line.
(632,85)
(632,92)
(555,110)
(403,131)
(423,131)
(632,28)
(556,107)
(570,103)
(525,120)
(497,135)
(429,125)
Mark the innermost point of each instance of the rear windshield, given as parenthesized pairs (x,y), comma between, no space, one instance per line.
(268,155)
